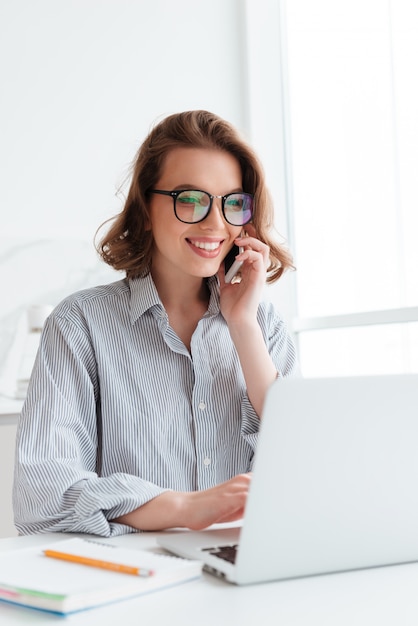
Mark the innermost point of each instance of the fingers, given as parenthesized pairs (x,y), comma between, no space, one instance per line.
(223,503)
(253,248)
(239,479)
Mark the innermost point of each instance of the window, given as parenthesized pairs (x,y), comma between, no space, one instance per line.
(349,103)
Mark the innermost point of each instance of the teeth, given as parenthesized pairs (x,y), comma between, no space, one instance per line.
(206,245)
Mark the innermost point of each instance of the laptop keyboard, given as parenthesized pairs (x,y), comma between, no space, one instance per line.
(227,553)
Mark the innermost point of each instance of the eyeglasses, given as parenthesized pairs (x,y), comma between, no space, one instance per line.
(192,205)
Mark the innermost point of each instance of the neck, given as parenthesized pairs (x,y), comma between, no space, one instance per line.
(185,301)
(181,294)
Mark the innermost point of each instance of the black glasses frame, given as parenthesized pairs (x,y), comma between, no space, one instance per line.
(175,194)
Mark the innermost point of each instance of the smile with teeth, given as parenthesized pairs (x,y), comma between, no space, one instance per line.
(206,245)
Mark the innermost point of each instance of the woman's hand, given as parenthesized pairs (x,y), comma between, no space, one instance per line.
(239,300)
(195,509)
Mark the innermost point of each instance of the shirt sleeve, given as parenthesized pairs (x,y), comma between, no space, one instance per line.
(57,485)
(283,353)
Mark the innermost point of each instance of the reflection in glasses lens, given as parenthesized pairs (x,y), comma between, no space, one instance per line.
(238,208)
(193,206)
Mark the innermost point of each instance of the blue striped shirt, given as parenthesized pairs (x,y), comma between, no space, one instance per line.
(118,410)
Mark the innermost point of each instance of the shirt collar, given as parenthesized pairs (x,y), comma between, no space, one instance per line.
(144,296)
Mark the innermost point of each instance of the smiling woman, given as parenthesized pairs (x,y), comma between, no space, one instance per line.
(196,247)
(128,244)
(151,389)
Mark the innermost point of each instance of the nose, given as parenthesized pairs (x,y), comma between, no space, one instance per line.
(215,219)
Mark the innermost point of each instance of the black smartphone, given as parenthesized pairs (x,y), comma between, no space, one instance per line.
(231,265)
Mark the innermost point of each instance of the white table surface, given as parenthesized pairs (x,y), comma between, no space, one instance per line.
(374,597)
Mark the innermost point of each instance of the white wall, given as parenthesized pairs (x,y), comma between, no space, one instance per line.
(84,79)
(81,82)
(7,439)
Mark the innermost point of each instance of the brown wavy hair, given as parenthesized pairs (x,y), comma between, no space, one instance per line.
(128,244)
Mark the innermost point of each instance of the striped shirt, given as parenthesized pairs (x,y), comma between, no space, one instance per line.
(118,410)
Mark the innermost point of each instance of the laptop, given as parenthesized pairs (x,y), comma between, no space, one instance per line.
(334,485)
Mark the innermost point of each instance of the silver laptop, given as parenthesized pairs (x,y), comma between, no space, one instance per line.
(334,486)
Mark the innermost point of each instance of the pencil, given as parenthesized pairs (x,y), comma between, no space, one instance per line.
(114,567)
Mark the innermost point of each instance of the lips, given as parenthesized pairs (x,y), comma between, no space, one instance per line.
(205,247)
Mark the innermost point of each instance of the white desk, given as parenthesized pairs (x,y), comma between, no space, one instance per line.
(375,597)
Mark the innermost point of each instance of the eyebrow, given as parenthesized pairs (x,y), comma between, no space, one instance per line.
(197,188)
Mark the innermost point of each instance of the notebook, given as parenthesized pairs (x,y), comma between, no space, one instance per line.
(30,578)
(334,485)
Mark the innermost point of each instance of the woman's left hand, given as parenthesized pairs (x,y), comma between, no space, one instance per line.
(239,300)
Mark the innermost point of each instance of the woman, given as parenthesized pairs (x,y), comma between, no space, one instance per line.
(145,399)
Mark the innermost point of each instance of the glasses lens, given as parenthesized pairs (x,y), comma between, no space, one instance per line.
(192,206)
(238,208)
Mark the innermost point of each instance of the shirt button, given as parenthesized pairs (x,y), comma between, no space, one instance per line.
(202,406)
(207,461)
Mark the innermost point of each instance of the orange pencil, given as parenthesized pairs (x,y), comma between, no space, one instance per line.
(114,567)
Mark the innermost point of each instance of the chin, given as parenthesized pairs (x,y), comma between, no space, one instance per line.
(206,272)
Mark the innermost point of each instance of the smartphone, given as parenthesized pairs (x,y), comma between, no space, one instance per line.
(231,265)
